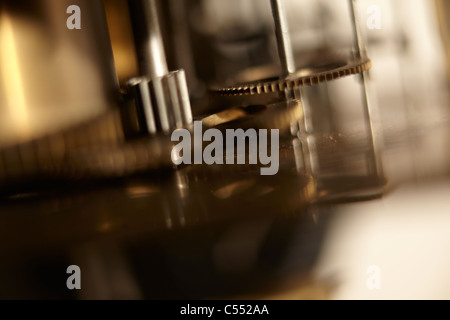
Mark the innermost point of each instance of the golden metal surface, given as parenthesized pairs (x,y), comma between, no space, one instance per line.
(76,188)
(51,77)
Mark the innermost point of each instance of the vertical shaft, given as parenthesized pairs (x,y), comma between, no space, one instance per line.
(359,47)
(147,34)
(283,38)
(161,97)
(370,112)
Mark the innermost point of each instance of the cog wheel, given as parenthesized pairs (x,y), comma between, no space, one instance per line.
(99,149)
(319,67)
(19,163)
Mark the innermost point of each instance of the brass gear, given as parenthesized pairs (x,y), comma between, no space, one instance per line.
(98,149)
(319,67)
(45,155)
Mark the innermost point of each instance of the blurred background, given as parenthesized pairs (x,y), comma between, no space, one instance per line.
(360,206)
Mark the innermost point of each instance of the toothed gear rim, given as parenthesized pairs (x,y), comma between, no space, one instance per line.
(306,76)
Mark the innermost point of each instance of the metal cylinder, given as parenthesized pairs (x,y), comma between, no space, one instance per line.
(162,103)
(147,34)
(283,37)
(52,76)
(161,97)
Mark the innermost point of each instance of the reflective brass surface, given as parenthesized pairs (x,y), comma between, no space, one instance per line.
(52,77)
(76,189)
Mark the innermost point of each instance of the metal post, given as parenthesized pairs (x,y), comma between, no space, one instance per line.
(283,37)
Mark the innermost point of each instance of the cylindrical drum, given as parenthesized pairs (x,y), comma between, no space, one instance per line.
(56,66)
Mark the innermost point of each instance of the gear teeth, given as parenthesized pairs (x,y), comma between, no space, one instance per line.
(47,155)
(353,66)
(162,103)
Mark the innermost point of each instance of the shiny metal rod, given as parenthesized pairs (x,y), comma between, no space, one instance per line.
(360,50)
(149,43)
(283,38)
(370,111)
(161,97)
